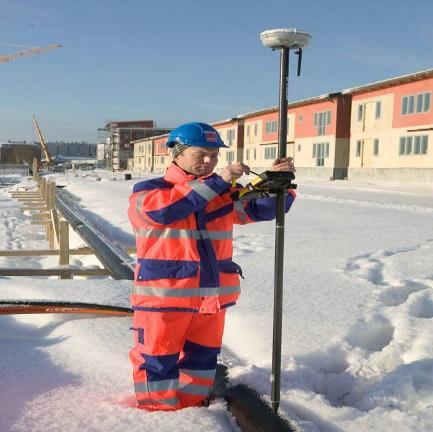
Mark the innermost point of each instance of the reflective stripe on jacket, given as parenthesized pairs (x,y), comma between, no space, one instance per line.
(184,229)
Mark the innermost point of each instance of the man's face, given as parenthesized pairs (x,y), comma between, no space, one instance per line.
(199,161)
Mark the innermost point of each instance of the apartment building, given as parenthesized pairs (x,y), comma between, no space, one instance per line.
(118,138)
(392,129)
(322,136)
(162,157)
(144,154)
(318,131)
(232,133)
(261,137)
(382,130)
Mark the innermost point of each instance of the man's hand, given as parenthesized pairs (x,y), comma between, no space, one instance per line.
(284,164)
(235,170)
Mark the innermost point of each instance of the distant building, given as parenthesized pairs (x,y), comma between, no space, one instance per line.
(67,150)
(119,135)
(19,153)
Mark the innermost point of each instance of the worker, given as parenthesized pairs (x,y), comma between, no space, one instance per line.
(185,278)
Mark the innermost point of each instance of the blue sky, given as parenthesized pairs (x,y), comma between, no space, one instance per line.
(185,60)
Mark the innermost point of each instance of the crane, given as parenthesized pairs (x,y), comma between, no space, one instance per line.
(48,158)
(29,52)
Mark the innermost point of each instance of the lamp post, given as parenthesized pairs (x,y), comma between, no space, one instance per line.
(283,40)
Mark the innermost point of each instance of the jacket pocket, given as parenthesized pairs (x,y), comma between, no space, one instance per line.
(228,266)
(150,269)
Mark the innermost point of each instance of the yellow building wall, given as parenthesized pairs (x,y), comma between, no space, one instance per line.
(394,160)
(368,129)
(161,163)
(304,151)
(223,158)
(143,155)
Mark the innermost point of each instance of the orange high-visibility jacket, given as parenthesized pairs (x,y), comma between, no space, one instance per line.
(184,229)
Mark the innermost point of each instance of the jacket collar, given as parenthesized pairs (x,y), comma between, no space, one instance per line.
(175,174)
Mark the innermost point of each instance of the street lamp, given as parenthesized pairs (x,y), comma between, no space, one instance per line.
(283,40)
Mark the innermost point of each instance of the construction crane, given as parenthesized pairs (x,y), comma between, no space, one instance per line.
(29,52)
(48,158)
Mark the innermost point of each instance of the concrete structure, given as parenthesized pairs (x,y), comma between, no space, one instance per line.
(392,129)
(19,153)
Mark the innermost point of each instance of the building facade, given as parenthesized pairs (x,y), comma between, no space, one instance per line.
(232,133)
(392,129)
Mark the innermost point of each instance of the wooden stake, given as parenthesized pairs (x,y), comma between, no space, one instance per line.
(64,247)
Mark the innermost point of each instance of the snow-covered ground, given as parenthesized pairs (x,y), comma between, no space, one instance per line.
(357,334)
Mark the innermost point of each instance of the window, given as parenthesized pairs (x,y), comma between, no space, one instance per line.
(248,130)
(424,144)
(426,102)
(360,112)
(230,156)
(162,159)
(255,154)
(271,126)
(299,147)
(378,110)
(415,103)
(376,147)
(300,119)
(270,152)
(416,145)
(230,136)
(321,120)
(358,148)
(247,154)
(320,152)
(255,129)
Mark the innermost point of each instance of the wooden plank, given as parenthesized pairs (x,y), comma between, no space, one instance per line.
(41,215)
(23,193)
(55,223)
(33,208)
(81,271)
(45,252)
(29,199)
(11,307)
(40,222)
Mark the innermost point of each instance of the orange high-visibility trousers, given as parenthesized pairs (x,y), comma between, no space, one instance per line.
(174,357)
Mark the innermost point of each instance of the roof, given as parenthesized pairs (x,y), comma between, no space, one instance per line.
(390,82)
(150,138)
(307,101)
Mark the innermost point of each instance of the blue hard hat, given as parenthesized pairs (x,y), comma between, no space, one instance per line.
(195,135)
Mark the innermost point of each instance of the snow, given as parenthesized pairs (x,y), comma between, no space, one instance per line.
(358,317)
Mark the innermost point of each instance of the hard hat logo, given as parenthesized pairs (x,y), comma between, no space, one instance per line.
(211,136)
